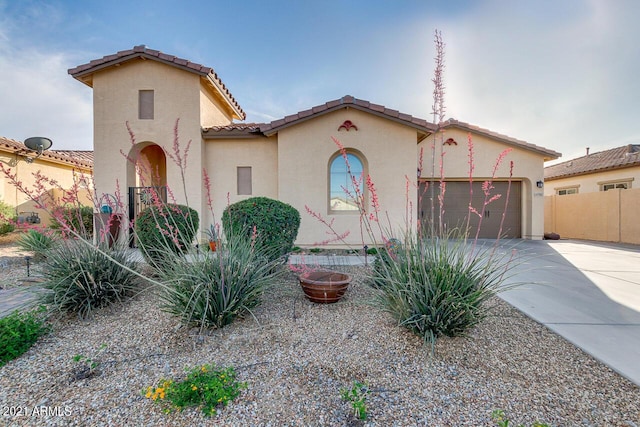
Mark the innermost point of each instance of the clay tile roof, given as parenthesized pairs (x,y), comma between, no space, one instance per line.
(142,51)
(347,101)
(233,130)
(70,157)
(615,158)
(548,154)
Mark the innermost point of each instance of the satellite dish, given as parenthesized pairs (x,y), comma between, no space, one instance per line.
(38,144)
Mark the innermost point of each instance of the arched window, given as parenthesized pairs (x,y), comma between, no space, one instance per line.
(342,191)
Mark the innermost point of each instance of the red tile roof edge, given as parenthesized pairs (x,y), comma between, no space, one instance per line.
(550,154)
(64,156)
(615,158)
(143,51)
(346,101)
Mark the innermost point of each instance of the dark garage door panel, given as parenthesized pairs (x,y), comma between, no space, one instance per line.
(456,207)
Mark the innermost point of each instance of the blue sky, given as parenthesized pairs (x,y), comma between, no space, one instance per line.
(561,74)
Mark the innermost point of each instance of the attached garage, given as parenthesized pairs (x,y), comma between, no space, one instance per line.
(456,207)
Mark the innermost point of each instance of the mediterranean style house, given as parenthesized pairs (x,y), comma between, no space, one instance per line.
(68,168)
(294,159)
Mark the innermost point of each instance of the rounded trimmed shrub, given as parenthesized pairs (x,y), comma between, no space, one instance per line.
(276,224)
(166,230)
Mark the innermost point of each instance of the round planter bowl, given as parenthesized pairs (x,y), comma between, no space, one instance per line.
(324,286)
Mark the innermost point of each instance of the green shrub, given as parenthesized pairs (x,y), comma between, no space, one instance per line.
(78,219)
(166,230)
(18,332)
(206,387)
(276,223)
(82,278)
(435,287)
(40,242)
(7,215)
(212,291)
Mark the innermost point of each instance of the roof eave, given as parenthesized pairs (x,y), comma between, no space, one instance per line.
(546,153)
(269,131)
(593,171)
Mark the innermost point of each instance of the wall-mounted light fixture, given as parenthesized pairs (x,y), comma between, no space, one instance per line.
(539,184)
(39,144)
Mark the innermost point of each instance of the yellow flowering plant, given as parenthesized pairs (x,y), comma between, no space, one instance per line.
(206,387)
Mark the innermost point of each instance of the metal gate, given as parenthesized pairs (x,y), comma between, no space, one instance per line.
(140,198)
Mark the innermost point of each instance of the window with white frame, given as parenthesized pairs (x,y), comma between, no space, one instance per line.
(612,185)
(346,182)
(567,190)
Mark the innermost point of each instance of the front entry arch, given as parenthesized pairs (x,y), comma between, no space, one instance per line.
(146,179)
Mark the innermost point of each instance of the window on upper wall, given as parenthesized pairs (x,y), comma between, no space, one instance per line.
(606,186)
(244,180)
(342,189)
(568,190)
(145,104)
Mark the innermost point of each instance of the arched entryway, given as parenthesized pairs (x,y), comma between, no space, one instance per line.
(146,179)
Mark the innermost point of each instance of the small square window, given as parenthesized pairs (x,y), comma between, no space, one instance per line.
(145,104)
(244,180)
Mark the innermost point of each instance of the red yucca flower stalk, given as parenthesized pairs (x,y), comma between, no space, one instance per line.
(438,110)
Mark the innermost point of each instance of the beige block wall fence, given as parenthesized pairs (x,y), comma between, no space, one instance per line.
(608,216)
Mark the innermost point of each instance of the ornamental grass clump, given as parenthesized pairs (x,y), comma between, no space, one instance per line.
(212,290)
(82,277)
(38,241)
(437,287)
(207,387)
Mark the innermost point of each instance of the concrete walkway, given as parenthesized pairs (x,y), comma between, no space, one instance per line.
(20,298)
(587,292)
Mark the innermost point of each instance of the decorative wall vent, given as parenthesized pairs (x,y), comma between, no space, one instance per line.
(347,125)
(450,141)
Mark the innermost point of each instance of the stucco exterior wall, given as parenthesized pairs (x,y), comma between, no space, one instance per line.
(527,168)
(590,183)
(304,153)
(212,112)
(177,95)
(224,156)
(64,175)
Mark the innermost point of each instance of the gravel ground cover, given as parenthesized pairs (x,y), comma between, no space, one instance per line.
(296,356)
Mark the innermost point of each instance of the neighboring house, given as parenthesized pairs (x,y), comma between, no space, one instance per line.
(65,167)
(293,159)
(595,197)
(606,170)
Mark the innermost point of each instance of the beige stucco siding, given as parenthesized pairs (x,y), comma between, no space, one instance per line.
(591,182)
(212,112)
(63,174)
(304,152)
(224,156)
(527,168)
(176,96)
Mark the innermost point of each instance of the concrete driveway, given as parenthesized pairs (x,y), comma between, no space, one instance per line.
(587,292)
